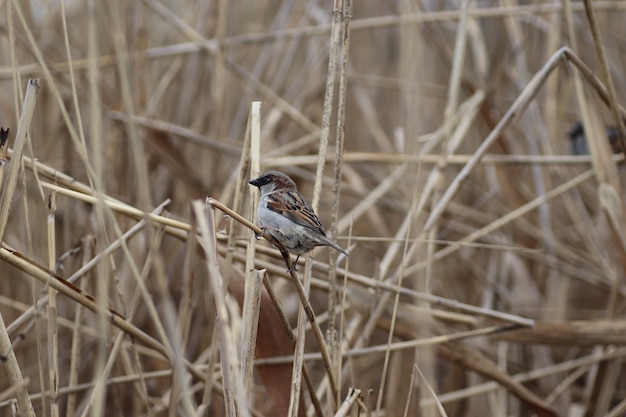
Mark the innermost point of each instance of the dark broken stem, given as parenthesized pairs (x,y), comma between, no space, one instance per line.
(4,142)
(308,309)
(4,135)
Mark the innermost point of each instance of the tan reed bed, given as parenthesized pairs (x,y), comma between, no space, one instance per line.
(487,262)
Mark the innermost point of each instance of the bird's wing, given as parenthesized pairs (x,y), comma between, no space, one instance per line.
(293,206)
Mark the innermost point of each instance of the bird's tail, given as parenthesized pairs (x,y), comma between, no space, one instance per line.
(336,247)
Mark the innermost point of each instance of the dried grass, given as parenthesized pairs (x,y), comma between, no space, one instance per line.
(487,269)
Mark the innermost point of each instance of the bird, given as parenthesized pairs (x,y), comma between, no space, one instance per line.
(578,139)
(288,217)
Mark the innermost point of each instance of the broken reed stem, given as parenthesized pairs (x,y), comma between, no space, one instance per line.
(20,139)
(235,396)
(14,373)
(347,404)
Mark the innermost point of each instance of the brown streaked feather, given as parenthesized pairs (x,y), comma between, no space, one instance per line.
(295,207)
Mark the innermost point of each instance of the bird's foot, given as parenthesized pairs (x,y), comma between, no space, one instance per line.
(294,265)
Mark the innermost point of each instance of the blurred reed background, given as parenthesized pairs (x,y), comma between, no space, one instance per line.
(483,280)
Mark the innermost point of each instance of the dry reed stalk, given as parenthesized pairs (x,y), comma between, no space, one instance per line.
(254,278)
(75,356)
(250,319)
(429,159)
(332,334)
(122,208)
(53,337)
(210,379)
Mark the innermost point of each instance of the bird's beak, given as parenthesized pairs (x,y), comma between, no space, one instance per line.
(255,182)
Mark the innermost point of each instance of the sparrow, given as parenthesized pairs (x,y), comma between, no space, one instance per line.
(287,217)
